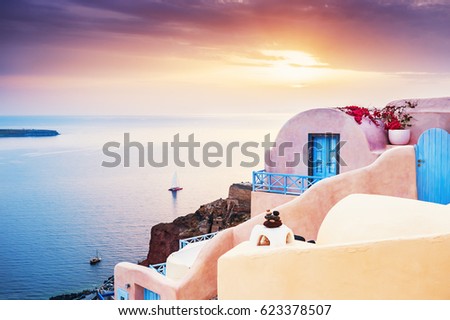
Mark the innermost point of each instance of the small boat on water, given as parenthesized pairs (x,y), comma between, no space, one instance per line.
(175,185)
(95,259)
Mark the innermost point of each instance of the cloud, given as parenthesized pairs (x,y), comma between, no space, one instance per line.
(384,35)
(188,17)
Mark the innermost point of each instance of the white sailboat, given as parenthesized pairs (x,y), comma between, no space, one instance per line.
(175,185)
(95,259)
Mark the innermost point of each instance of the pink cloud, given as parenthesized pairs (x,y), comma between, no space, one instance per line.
(384,35)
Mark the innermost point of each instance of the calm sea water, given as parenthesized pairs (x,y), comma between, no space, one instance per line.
(58,205)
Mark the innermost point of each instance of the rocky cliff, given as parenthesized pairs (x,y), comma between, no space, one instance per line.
(211,217)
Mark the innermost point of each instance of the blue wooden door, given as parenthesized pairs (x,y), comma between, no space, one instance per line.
(324,155)
(433,166)
(150,295)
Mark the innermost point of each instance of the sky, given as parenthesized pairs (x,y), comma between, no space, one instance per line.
(144,57)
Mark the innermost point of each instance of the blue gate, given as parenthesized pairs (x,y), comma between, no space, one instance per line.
(151,295)
(433,166)
(323,155)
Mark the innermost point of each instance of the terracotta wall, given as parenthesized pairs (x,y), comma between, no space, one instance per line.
(357,151)
(134,278)
(415,268)
(392,174)
(369,247)
(261,201)
(429,113)
(199,283)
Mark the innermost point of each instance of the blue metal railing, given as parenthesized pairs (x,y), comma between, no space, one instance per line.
(103,295)
(160,268)
(185,242)
(282,183)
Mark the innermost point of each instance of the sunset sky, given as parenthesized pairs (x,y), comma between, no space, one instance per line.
(219,56)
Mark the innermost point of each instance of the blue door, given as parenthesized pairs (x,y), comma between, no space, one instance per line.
(433,166)
(150,295)
(323,155)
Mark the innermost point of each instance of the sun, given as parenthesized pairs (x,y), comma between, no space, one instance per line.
(294,68)
(274,68)
(293,58)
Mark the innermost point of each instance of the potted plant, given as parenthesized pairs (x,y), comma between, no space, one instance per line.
(397,121)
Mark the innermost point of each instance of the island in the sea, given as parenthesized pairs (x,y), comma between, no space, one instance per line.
(15,133)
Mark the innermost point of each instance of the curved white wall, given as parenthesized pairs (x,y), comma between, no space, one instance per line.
(362,217)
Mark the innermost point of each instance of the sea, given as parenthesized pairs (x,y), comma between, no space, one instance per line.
(92,188)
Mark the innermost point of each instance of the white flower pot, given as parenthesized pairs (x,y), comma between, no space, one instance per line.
(399,137)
